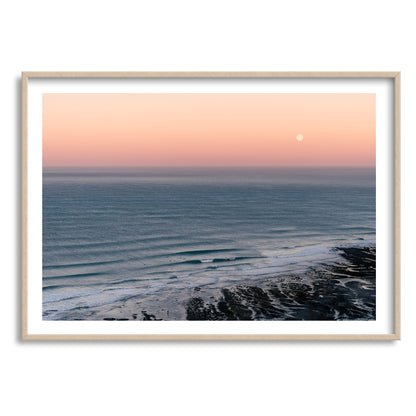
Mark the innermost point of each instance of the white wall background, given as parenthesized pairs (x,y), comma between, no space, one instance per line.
(207,378)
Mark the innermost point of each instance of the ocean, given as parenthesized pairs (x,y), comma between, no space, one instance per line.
(173,243)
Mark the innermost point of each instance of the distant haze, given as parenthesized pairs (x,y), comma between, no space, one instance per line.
(107,130)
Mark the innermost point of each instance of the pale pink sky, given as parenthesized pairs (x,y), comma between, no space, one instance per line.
(209,129)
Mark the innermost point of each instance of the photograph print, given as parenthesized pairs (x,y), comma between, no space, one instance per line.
(209,206)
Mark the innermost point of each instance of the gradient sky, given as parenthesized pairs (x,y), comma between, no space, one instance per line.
(209,129)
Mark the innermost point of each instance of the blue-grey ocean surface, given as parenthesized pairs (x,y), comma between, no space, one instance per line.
(139,243)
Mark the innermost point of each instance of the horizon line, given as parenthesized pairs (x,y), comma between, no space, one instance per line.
(199,166)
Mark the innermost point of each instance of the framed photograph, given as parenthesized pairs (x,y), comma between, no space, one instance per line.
(210,206)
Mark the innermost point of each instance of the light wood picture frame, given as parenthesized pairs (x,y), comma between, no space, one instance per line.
(41,94)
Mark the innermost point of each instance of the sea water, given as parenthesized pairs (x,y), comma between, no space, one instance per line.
(111,235)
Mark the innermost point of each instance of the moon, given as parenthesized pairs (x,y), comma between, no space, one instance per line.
(299,137)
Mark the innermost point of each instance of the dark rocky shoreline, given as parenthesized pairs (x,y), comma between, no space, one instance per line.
(340,291)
